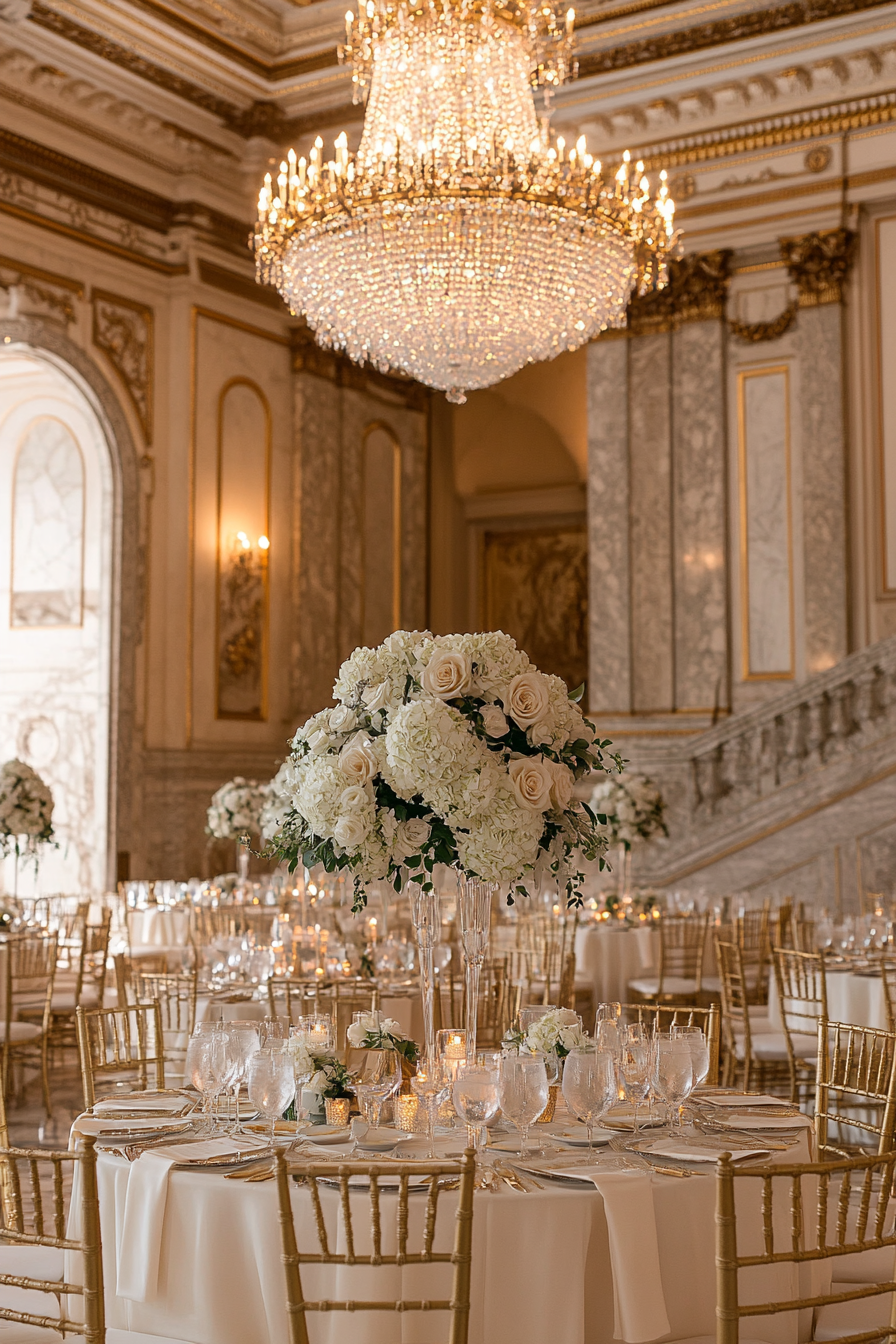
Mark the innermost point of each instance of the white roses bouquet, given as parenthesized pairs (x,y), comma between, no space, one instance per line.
(373,1032)
(451,749)
(236,808)
(26,808)
(558,1032)
(630,808)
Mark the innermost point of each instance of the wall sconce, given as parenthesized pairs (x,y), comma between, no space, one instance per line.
(242,628)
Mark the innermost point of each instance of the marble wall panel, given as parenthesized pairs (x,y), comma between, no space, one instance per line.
(886,335)
(824,507)
(609,629)
(699,514)
(650,457)
(765,522)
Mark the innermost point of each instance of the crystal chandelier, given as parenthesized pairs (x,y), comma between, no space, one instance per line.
(462,240)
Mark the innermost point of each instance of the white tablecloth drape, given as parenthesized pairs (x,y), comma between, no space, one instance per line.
(852,997)
(542,1264)
(610,957)
(157,928)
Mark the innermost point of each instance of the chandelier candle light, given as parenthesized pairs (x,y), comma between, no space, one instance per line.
(462,240)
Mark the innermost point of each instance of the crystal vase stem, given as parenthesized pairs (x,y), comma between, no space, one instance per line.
(474,906)
(427,920)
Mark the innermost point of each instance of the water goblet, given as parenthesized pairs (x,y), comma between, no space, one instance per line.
(206,1069)
(431,1083)
(475,1096)
(242,1043)
(636,1074)
(523,1092)
(380,1077)
(271,1084)
(699,1048)
(589,1085)
(673,1073)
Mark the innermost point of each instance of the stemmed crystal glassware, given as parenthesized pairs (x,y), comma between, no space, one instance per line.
(523,1092)
(699,1048)
(589,1085)
(431,1083)
(380,1078)
(636,1073)
(606,1026)
(241,1043)
(673,1072)
(474,907)
(206,1068)
(475,1096)
(427,920)
(271,1083)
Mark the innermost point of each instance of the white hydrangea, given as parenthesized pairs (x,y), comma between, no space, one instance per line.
(633,806)
(236,808)
(430,751)
(26,806)
(504,844)
(558,1031)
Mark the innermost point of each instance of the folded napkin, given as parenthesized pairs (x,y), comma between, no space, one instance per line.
(686,1152)
(763,1121)
(140,1247)
(170,1105)
(739,1099)
(638,1301)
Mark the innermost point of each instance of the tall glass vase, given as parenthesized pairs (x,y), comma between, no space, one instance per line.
(427,919)
(474,905)
(624,869)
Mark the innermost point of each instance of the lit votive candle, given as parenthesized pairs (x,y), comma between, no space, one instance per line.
(406,1108)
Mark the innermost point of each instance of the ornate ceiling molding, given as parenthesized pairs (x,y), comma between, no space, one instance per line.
(818,264)
(123,330)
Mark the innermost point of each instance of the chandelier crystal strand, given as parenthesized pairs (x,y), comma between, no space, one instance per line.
(462,241)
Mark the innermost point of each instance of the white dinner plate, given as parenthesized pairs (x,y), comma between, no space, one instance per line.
(381,1140)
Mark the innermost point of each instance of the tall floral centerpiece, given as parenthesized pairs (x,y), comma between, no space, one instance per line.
(450,749)
(235,812)
(630,808)
(26,812)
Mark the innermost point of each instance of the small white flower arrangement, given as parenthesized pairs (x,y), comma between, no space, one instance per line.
(450,749)
(26,809)
(558,1032)
(326,1075)
(630,807)
(372,1033)
(236,808)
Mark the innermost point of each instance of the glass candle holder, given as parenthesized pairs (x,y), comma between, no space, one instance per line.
(337,1111)
(407,1109)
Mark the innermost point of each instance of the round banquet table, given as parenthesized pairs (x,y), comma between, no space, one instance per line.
(853,997)
(542,1264)
(158,930)
(610,956)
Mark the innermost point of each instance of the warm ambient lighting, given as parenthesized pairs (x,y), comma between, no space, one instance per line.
(462,240)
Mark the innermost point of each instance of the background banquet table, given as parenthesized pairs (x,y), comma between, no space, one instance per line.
(158,930)
(610,956)
(853,996)
(541,1264)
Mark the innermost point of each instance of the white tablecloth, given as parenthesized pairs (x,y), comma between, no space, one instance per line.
(158,928)
(854,998)
(541,1265)
(611,957)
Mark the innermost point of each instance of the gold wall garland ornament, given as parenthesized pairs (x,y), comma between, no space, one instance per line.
(766,331)
(818,264)
(697,292)
(462,240)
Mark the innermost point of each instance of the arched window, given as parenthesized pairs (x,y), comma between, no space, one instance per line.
(48,527)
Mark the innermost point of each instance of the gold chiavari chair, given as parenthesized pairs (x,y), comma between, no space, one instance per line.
(83,987)
(755,1055)
(839,1217)
(803,999)
(255,919)
(460,1257)
(682,947)
(121,1044)
(754,941)
(125,984)
(30,972)
(888,976)
(665,1016)
(210,922)
(291,996)
(176,996)
(855,1089)
(342,1000)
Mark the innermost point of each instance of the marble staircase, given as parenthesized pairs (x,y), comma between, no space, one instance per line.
(796,797)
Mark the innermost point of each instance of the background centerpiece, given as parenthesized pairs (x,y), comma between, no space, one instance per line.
(449,749)
(632,809)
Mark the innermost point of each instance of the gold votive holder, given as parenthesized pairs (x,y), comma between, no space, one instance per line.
(407,1113)
(547,1114)
(337,1109)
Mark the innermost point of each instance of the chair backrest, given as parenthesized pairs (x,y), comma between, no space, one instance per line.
(665,1016)
(34,1214)
(30,972)
(754,941)
(93,958)
(888,975)
(802,990)
(380,1240)
(682,944)
(176,997)
(858,1063)
(117,1041)
(835,1209)
(735,993)
(342,1000)
(296,995)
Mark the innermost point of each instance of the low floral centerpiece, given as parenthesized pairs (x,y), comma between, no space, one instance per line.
(557,1032)
(26,811)
(373,1032)
(449,749)
(321,1073)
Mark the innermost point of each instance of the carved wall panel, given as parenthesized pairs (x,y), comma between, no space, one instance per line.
(380,535)
(535,588)
(123,330)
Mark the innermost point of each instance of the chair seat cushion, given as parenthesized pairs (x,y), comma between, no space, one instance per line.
(21,1031)
(672,984)
(64,1001)
(851,1318)
(771,1046)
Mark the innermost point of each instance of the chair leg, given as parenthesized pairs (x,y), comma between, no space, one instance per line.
(45,1074)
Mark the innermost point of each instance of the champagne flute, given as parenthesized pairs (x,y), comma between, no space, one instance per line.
(271,1084)
(523,1092)
(431,1083)
(636,1074)
(589,1085)
(242,1043)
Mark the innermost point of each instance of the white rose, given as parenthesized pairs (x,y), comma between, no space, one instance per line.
(355,1034)
(447,674)
(526,699)
(539,734)
(350,831)
(357,760)
(410,836)
(566,1017)
(353,799)
(532,782)
(376,697)
(561,785)
(319,742)
(393,1029)
(493,721)
(342,719)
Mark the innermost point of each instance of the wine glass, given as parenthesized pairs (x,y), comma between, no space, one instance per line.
(636,1074)
(271,1083)
(699,1048)
(431,1083)
(523,1092)
(475,1096)
(206,1068)
(380,1077)
(589,1085)
(673,1075)
(242,1043)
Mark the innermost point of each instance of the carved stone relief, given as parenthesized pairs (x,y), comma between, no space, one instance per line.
(123,330)
(819,264)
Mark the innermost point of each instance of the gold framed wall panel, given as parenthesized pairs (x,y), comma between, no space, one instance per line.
(368,575)
(746,380)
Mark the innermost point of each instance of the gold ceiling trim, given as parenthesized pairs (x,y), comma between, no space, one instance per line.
(828,119)
(49,277)
(102,244)
(835,185)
